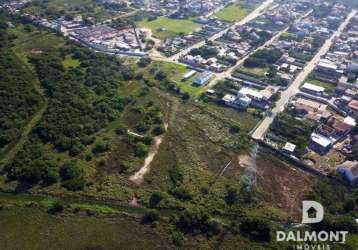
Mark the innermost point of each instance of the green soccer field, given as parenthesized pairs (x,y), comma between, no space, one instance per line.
(232,13)
(164,27)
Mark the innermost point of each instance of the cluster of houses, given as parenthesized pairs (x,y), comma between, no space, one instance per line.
(14,6)
(99,37)
(222,60)
(180,8)
(334,113)
(278,16)
(106,39)
(332,132)
(210,26)
(250,97)
(240,40)
(330,127)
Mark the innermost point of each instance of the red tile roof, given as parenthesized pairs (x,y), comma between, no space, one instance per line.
(353,104)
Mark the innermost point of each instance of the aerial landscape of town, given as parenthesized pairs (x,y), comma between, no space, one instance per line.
(178,124)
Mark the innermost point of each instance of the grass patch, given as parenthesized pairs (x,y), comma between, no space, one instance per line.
(175,73)
(254,71)
(69,62)
(327,85)
(232,13)
(171,27)
(30,228)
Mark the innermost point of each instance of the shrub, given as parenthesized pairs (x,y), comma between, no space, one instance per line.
(176,175)
(234,129)
(155,199)
(178,238)
(56,207)
(182,194)
(101,147)
(158,130)
(231,196)
(256,228)
(151,216)
(140,150)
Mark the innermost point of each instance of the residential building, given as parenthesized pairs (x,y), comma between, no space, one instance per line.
(320,144)
(312,89)
(203,78)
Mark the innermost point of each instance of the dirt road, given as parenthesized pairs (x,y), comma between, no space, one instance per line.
(138,177)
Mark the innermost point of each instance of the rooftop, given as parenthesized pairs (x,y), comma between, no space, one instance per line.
(321,140)
(312,87)
(289,147)
(353,104)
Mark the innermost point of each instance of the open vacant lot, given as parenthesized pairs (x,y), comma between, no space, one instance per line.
(232,13)
(164,27)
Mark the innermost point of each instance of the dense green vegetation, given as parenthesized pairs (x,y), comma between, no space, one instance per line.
(263,58)
(82,101)
(19,99)
(88,9)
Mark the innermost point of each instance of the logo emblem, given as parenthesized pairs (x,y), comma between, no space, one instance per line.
(312,212)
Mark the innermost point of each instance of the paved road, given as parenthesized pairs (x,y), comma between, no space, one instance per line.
(228,72)
(293,89)
(248,18)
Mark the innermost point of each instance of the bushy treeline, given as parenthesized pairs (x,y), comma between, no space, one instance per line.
(19,100)
(81,101)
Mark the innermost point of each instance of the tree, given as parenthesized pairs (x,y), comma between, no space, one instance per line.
(185,96)
(158,130)
(144,62)
(235,128)
(178,238)
(56,207)
(181,193)
(101,147)
(231,196)
(349,205)
(151,216)
(160,76)
(256,229)
(155,199)
(140,149)
(51,175)
(196,222)
(72,176)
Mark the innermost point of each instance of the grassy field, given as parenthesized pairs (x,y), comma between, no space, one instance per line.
(69,62)
(327,85)
(172,27)
(256,71)
(175,73)
(30,228)
(232,13)
(86,8)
